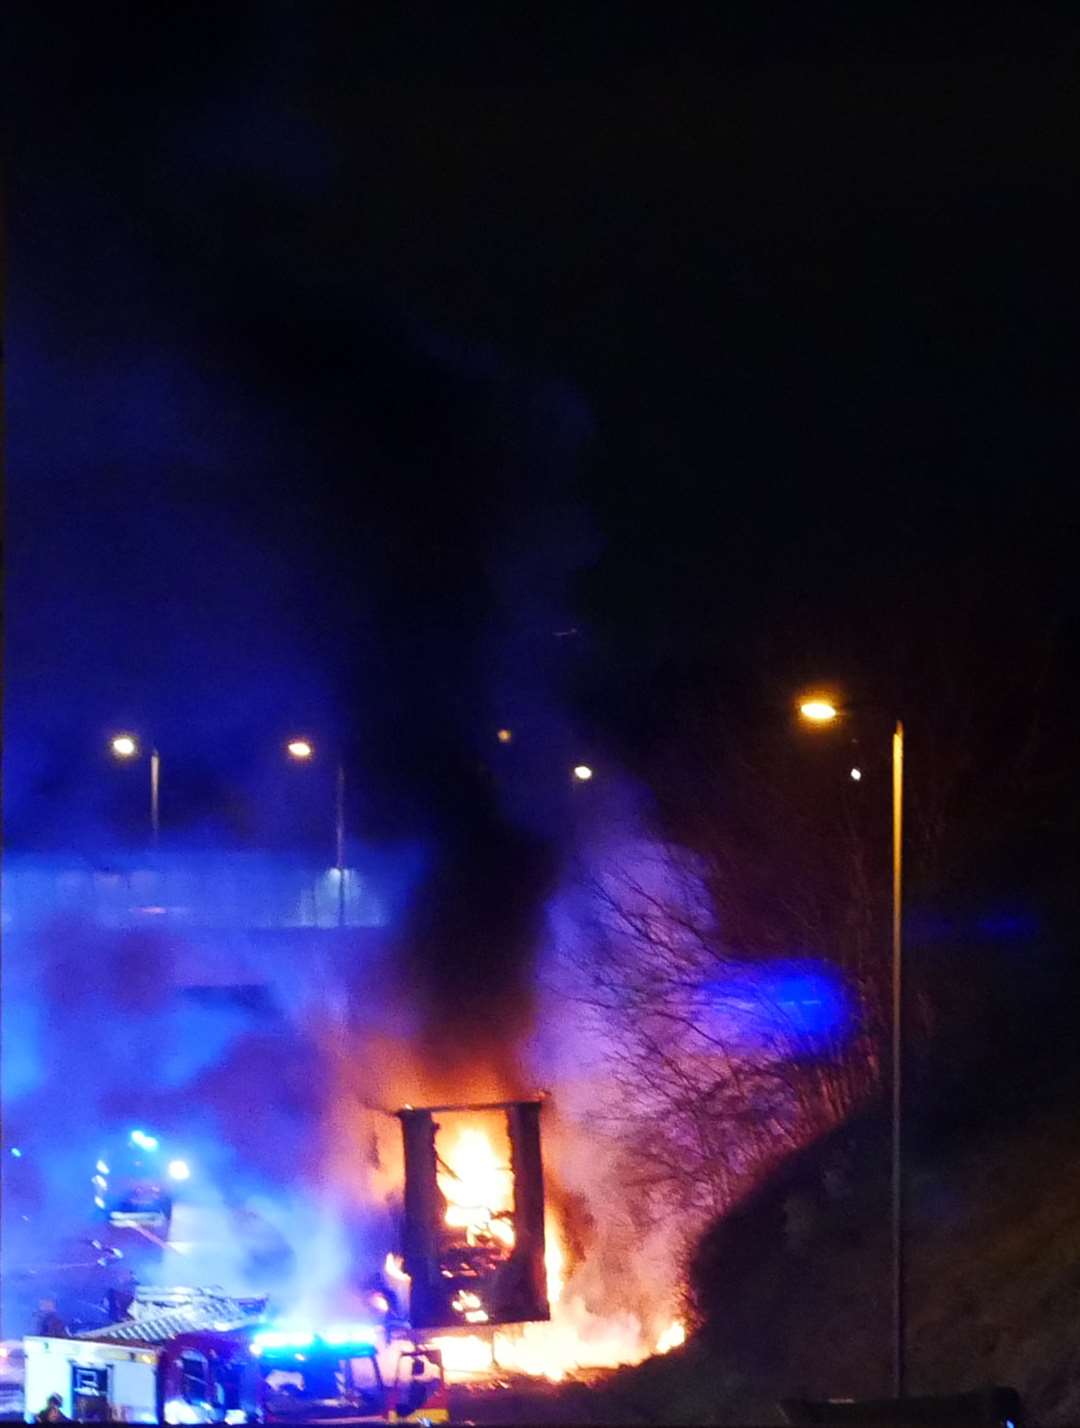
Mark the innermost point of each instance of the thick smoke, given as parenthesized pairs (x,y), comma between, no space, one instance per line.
(274,504)
(226,1045)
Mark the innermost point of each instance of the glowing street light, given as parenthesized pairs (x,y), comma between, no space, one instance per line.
(303,750)
(819,710)
(583,773)
(504,736)
(126,746)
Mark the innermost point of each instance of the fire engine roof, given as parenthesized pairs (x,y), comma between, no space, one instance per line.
(160,1328)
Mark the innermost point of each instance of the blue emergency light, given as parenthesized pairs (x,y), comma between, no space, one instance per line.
(269,1343)
(281,1339)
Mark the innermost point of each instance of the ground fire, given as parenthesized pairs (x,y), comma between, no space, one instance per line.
(490,1253)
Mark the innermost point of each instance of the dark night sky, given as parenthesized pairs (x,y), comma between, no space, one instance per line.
(741,339)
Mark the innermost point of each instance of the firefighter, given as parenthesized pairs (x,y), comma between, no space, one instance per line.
(378,1288)
(50,1324)
(53,1412)
(120,1298)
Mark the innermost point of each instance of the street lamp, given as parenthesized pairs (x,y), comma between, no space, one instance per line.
(818,711)
(821,710)
(302,750)
(582,772)
(126,746)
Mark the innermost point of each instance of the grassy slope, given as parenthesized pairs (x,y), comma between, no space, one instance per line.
(794,1286)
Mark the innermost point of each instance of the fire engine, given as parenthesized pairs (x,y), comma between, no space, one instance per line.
(134,1182)
(199,1377)
(335,1375)
(192,1356)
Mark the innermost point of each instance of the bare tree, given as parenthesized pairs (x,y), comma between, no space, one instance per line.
(714,1072)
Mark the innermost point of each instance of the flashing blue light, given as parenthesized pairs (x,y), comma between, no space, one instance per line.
(1005,925)
(813,1003)
(801,996)
(16,1152)
(144,1141)
(292,1341)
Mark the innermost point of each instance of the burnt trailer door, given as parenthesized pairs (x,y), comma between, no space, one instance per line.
(461,1278)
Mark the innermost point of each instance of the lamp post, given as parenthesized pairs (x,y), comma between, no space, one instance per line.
(302,750)
(821,710)
(126,746)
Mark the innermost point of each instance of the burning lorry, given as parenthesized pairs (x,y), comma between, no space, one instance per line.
(474,1215)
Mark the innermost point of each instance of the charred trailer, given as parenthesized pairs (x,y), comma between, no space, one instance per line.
(474,1215)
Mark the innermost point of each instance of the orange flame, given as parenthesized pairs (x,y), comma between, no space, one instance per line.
(672,1337)
(479,1191)
(554,1260)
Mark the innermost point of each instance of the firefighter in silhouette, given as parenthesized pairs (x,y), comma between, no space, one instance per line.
(53,1412)
(120,1298)
(382,1297)
(50,1324)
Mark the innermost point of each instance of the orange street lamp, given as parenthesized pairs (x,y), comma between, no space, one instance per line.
(820,710)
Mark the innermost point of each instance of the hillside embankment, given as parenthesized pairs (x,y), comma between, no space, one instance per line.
(792,1288)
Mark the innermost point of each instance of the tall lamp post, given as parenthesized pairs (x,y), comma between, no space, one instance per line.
(126,746)
(302,750)
(823,711)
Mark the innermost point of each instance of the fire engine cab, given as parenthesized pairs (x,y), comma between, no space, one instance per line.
(335,1376)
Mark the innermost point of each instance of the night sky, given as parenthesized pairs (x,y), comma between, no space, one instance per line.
(353,363)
